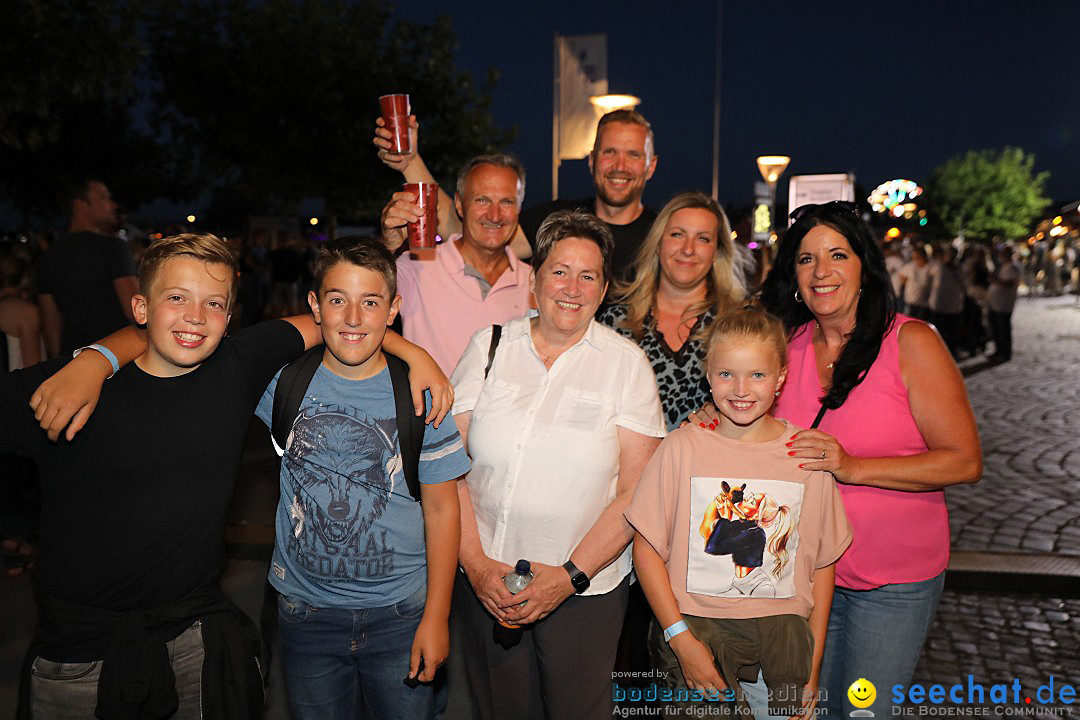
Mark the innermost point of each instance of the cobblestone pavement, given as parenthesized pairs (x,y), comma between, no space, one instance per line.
(1028,411)
(996,637)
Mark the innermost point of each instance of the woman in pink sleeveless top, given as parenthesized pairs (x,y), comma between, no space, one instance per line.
(897,428)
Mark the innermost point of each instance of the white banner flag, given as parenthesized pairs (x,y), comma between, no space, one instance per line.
(582,73)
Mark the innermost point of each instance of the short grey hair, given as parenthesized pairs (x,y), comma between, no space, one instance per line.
(579,224)
(498,160)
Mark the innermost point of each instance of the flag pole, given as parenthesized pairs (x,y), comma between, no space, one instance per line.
(555,113)
(716,108)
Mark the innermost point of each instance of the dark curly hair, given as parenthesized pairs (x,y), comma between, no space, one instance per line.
(874,315)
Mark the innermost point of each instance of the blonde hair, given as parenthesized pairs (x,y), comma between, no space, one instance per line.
(778,538)
(748,321)
(628,117)
(724,283)
(201,246)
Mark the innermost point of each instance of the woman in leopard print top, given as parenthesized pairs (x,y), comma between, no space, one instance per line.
(686,270)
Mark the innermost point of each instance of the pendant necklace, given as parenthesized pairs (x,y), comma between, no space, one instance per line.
(817,326)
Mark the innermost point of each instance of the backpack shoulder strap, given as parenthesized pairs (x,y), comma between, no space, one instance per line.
(410,425)
(496,335)
(289,393)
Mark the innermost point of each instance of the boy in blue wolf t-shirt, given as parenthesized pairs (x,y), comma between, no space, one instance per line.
(364,572)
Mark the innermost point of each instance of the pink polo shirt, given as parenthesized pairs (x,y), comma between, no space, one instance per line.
(441,306)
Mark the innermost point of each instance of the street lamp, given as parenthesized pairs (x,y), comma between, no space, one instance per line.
(771,168)
(608,103)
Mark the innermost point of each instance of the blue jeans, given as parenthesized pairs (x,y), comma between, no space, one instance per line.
(757,697)
(877,635)
(334,657)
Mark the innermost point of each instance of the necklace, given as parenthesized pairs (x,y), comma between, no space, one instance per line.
(817,326)
(547,358)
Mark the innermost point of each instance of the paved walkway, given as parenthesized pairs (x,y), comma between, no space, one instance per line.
(1028,501)
(1028,412)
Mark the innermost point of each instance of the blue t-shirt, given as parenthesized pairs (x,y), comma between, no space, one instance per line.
(349,534)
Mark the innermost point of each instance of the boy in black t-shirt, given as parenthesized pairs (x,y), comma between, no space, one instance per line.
(131,616)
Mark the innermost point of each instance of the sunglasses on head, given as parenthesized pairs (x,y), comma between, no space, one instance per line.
(841,205)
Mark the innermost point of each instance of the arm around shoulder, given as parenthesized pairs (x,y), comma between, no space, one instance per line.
(68,398)
(308,329)
(424,374)
(468,376)
(126,286)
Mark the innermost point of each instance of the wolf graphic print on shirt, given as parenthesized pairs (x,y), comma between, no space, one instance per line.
(338,497)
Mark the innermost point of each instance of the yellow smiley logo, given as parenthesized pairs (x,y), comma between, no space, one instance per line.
(862,693)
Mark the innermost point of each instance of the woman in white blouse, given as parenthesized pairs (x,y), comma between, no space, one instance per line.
(558,432)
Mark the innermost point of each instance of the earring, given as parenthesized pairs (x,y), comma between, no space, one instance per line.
(798,297)
(777,393)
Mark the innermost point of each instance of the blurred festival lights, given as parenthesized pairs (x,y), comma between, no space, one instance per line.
(894,197)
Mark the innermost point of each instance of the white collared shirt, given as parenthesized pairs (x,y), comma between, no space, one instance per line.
(544,443)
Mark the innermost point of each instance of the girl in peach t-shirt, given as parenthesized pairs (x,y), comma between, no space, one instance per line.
(735,545)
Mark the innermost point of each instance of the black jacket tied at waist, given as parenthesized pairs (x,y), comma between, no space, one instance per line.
(137,681)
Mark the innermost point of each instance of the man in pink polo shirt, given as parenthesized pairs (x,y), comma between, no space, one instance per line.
(474,280)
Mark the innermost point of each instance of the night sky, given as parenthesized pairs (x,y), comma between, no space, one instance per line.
(884,90)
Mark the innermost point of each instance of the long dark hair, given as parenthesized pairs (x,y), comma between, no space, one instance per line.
(874,314)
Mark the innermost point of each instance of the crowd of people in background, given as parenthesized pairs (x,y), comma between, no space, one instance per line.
(963,288)
(576,334)
(968,292)
(959,286)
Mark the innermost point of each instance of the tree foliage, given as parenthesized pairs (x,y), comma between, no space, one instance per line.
(58,54)
(987,194)
(259,103)
(69,91)
(278,98)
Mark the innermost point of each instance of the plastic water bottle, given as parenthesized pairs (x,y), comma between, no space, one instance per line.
(517,581)
(508,634)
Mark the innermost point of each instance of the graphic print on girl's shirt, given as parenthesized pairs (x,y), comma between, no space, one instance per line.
(742,537)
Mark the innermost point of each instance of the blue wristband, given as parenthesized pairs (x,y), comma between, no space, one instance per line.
(106,352)
(675,629)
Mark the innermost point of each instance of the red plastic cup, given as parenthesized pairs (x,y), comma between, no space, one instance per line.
(422,232)
(395,112)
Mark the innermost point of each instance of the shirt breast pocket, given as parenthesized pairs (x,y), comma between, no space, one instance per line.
(495,397)
(583,411)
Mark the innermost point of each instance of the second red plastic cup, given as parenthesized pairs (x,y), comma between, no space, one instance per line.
(395,112)
(422,232)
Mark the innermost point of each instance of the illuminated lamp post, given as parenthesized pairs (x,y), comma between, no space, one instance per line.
(609,103)
(771,168)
